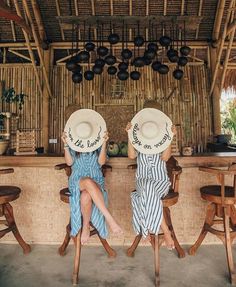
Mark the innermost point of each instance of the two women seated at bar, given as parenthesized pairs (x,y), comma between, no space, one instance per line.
(150,133)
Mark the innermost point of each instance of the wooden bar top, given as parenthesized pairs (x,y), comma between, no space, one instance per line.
(206,159)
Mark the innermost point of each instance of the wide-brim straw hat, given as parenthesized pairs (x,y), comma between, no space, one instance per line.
(85,130)
(151,131)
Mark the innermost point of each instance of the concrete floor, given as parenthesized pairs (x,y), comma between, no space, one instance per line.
(44,267)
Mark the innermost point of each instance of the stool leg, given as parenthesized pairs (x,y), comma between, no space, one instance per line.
(156,261)
(75,278)
(130,251)
(8,213)
(233,217)
(166,213)
(62,248)
(111,252)
(228,245)
(210,214)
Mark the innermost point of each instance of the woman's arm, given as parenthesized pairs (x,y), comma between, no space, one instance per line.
(102,158)
(67,155)
(167,152)
(131,150)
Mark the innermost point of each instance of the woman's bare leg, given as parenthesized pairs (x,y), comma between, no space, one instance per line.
(94,191)
(86,210)
(167,235)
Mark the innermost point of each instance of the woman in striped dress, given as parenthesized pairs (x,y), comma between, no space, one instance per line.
(152,183)
(88,196)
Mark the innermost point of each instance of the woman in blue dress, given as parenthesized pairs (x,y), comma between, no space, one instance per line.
(152,183)
(88,196)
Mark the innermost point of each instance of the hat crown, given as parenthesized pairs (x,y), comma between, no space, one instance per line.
(149,129)
(83,130)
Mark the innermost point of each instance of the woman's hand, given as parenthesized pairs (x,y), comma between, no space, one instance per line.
(128,127)
(64,137)
(106,136)
(174,130)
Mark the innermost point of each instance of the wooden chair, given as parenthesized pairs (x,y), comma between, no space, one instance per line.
(64,196)
(9,193)
(174,171)
(220,210)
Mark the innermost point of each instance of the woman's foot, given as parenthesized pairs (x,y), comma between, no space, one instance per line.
(115,228)
(85,234)
(146,239)
(168,240)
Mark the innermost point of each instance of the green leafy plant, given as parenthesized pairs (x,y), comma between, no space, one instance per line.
(10,96)
(229,120)
(2,117)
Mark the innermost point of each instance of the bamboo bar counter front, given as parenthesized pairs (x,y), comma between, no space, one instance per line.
(40,44)
(42,216)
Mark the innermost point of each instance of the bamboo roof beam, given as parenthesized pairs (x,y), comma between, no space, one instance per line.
(7,13)
(228,51)
(165,8)
(59,14)
(218,19)
(94,13)
(39,21)
(12,24)
(130,14)
(199,14)
(215,53)
(147,14)
(37,42)
(77,13)
(182,7)
(220,48)
(29,49)
(19,55)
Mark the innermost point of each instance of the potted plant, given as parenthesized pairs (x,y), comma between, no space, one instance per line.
(4,141)
(9,96)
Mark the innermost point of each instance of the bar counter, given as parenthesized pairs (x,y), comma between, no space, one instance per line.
(41,216)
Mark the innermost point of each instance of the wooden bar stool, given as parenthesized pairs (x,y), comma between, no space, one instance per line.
(220,210)
(174,171)
(9,193)
(64,196)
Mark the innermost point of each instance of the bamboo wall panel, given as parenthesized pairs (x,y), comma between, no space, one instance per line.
(187,102)
(22,79)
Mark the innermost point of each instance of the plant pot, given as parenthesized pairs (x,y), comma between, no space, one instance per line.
(3,146)
(187,150)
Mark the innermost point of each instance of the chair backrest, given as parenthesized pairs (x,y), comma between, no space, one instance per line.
(173,170)
(220,174)
(6,170)
(105,168)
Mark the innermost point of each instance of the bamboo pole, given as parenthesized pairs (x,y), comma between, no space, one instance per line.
(218,19)
(228,51)
(59,14)
(45,74)
(38,19)
(29,49)
(12,24)
(220,48)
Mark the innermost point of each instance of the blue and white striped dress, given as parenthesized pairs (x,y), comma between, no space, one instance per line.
(86,165)
(152,183)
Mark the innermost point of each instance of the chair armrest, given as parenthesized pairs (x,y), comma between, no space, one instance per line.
(61,166)
(217,171)
(6,170)
(132,166)
(64,166)
(106,168)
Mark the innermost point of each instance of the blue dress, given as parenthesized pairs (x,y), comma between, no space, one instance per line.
(86,165)
(152,183)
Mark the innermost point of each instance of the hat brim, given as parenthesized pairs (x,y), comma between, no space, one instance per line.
(95,139)
(156,144)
